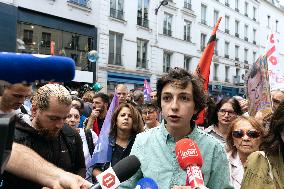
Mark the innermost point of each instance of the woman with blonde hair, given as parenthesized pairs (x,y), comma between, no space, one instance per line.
(245,136)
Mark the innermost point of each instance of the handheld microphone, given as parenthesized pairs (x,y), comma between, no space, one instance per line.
(18,68)
(190,159)
(146,183)
(120,172)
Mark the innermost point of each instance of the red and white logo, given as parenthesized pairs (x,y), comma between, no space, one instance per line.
(108,179)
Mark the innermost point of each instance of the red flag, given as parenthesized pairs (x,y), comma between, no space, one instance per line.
(203,67)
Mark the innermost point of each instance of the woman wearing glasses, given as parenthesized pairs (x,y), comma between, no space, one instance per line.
(244,137)
(225,112)
(265,169)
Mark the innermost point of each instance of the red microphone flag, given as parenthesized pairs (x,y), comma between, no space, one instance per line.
(203,67)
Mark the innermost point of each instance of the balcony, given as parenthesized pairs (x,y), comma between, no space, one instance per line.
(254,42)
(167,32)
(118,14)
(227,31)
(246,38)
(203,22)
(237,59)
(245,61)
(237,64)
(236,9)
(246,14)
(237,35)
(227,80)
(227,4)
(254,19)
(227,56)
(187,5)
(143,22)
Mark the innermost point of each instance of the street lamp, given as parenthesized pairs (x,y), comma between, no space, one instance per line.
(164,3)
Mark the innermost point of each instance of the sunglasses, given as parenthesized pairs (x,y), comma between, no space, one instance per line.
(242,133)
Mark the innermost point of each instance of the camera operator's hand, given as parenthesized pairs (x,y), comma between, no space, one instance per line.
(69,181)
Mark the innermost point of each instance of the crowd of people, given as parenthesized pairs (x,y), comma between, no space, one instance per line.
(60,129)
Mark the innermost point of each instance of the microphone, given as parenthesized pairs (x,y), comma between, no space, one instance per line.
(190,159)
(146,183)
(18,68)
(120,172)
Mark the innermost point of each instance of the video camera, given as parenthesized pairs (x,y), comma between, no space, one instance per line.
(7,125)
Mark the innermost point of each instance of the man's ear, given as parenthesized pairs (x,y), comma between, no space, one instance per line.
(34,110)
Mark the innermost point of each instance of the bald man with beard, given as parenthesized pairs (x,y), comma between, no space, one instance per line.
(48,135)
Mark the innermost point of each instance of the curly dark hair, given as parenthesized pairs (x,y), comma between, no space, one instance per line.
(138,125)
(235,104)
(183,78)
(230,141)
(273,141)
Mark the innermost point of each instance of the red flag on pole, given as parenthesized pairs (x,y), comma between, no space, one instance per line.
(203,67)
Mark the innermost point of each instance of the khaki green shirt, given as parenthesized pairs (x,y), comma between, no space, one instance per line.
(257,172)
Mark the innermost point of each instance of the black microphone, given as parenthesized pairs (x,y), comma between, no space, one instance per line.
(120,172)
(18,68)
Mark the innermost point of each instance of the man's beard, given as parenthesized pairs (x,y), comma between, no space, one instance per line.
(45,132)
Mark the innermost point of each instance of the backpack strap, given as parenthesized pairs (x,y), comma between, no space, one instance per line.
(70,141)
(89,138)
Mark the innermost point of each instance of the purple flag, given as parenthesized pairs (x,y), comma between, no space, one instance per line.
(147,91)
(102,152)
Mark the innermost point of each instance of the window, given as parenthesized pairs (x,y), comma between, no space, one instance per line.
(187,62)
(237,72)
(237,52)
(167,29)
(202,41)
(227,44)
(254,35)
(246,55)
(216,47)
(254,14)
(246,32)
(227,73)
(215,76)
(45,39)
(276,25)
(254,56)
(203,14)
(79,2)
(115,46)
(227,20)
(268,21)
(116,9)
(187,29)
(246,8)
(167,62)
(142,13)
(216,16)
(28,37)
(237,28)
(187,4)
(74,44)
(142,53)
(237,5)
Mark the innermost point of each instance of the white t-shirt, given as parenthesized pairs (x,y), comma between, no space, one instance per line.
(87,154)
